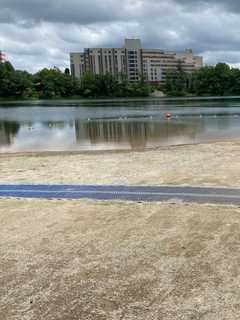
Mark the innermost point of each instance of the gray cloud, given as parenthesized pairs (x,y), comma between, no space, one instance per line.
(229,5)
(38,33)
(71,11)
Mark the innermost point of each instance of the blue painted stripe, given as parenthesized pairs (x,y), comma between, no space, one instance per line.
(116,188)
(129,193)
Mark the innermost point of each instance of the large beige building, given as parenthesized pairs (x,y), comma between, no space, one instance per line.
(133,62)
(2,57)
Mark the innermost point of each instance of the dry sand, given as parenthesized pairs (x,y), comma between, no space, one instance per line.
(83,260)
(215,164)
(86,260)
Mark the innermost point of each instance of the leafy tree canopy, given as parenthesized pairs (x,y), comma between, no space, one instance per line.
(52,83)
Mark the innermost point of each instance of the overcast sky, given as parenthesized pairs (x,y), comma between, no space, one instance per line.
(41,33)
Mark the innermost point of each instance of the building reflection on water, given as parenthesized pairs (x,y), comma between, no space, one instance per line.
(135,134)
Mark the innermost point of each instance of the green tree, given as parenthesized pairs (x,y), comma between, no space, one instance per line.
(67,71)
(177,81)
(212,80)
(15,83)
(52,83)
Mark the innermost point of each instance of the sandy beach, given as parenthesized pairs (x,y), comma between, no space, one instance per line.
(77,260)
(86,260)
(215,164)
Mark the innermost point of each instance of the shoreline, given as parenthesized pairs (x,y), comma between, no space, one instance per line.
(120,99)
(111,151)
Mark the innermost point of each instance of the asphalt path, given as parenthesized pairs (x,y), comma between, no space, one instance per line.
(124,193)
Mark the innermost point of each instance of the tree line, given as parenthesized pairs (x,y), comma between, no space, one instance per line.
(219,80)
(216,80)
(54,84)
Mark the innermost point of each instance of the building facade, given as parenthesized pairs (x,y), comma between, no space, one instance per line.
(2,57)
(132,62)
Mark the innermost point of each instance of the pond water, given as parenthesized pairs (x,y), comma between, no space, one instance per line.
(116,124)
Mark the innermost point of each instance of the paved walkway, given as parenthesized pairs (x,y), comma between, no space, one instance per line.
(125,193)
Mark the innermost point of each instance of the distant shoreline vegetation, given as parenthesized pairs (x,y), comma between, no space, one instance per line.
(219,80)
(54,84)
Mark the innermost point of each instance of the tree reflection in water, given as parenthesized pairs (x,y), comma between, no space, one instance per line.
(8,131)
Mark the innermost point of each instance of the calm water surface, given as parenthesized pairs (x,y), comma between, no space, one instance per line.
(108,125)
